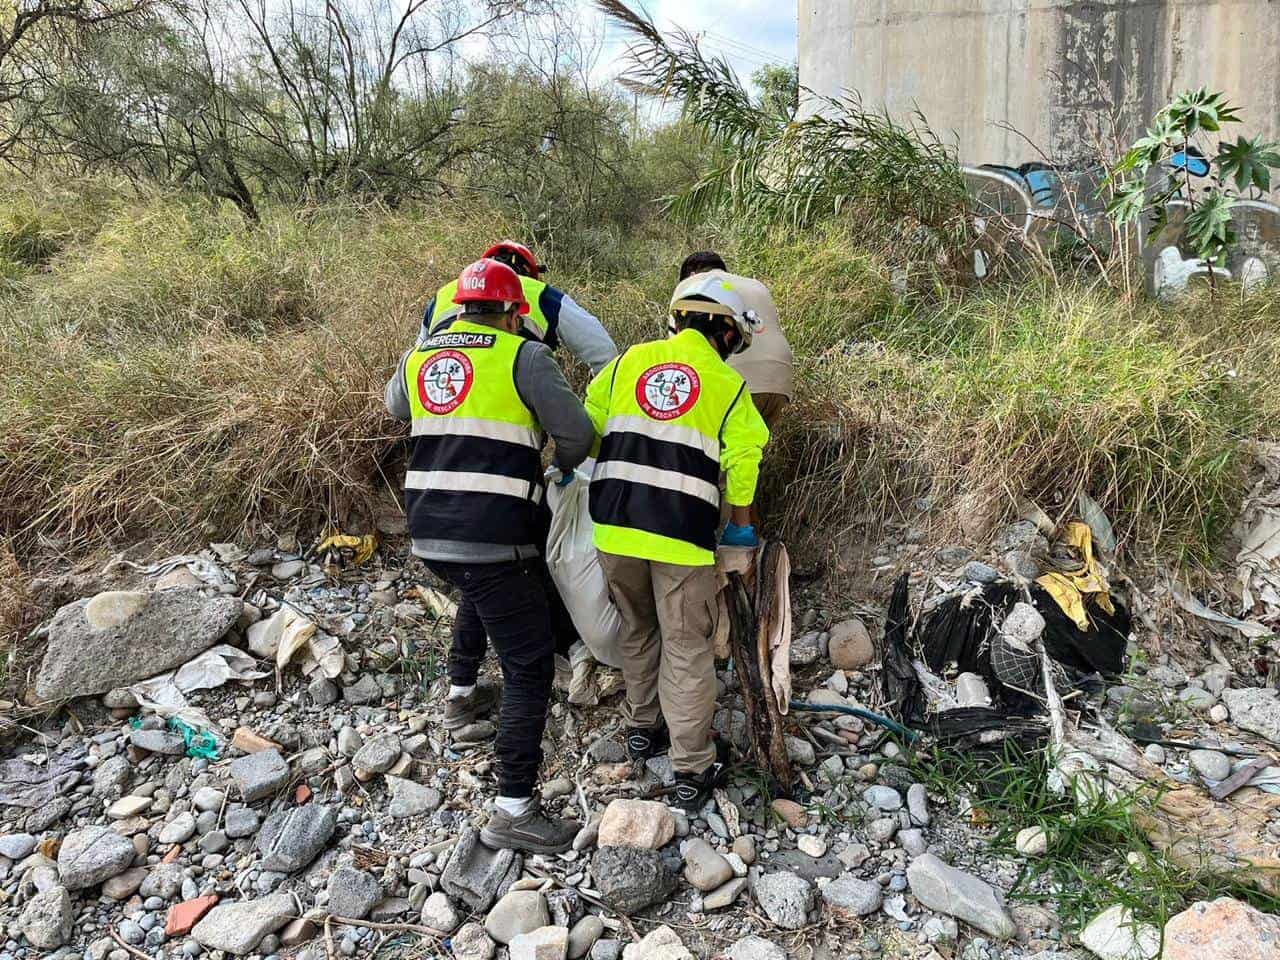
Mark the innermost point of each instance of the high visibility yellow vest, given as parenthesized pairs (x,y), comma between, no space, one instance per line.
(475,473)
(536,323)
(655,492)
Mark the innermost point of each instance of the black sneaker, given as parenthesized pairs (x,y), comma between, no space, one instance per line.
(693,790)
(643,743)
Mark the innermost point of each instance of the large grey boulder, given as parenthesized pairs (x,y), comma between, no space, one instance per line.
(238,928)
(630,879)
(291,839)
(90,856)
(114,639)
(477,875)
(945,889)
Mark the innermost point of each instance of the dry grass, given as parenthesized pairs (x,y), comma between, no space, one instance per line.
(168,371)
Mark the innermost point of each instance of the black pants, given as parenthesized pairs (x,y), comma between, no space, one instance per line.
(510,603)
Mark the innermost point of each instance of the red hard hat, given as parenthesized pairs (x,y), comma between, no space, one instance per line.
(518,250)
(491,281)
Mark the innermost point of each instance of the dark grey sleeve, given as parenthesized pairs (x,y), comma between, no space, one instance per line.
(543,387)
(396,399)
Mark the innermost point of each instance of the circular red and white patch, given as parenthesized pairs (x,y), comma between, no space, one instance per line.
(445,381)
(668,390)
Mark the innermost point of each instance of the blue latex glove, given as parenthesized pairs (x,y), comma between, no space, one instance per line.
(566,478)
(736,536)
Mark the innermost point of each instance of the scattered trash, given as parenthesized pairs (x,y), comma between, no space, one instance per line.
(338,551)
(165,695)
(1258,529)
(1246,628)
(289,634)
(439,605)
(1077,582)
(200,744)
(202,568)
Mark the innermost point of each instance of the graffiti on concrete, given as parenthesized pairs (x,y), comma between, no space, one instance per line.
(1043,205)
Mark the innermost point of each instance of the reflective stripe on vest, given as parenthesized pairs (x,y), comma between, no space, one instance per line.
(655,492)
(475,472)
(535,323)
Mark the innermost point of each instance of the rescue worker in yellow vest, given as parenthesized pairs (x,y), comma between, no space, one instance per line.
(553,318)
(672,415)
(480,397)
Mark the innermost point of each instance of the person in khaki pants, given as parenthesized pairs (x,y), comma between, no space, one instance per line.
(672,415)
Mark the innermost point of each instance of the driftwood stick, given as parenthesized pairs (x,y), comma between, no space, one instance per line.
(132,950)
(417,928)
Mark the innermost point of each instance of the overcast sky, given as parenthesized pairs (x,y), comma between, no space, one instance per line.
(748,33)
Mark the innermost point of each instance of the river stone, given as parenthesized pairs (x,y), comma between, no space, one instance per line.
(238,928)
(724,896)
(630,879)
(1225,929)
(1211,764)
(477,875)
(47,921)
(704,867)
(784,897)
(945,889)
(756,948)
(290,839)
(410,799)
(520,911)
(17,846)
(584,935)
(545,943)
(472,943)
(178,830)
(352,893)
(90,856)
(644,824)
(1114,934)
(166,631)
(850,646)
(848,897)
(259,775)
(378,754)
(1255,709)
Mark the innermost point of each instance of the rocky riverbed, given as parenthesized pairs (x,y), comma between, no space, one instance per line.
(331,816)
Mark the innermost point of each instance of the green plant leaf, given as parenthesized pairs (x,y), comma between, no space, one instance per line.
(1248,162)
(1209,226)
(1128,203)
(1195,110)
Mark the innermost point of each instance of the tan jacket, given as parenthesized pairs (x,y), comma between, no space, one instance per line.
(766,365)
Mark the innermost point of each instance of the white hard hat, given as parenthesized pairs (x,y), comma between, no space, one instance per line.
(707,293)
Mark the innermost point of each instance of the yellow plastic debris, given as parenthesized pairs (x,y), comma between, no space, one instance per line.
(348,550)
(1074,589)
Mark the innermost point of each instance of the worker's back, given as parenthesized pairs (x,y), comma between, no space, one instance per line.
(655,491)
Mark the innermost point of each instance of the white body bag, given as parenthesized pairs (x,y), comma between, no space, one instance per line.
(575,568)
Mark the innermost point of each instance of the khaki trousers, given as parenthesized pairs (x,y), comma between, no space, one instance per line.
(668,662)
(769,405)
